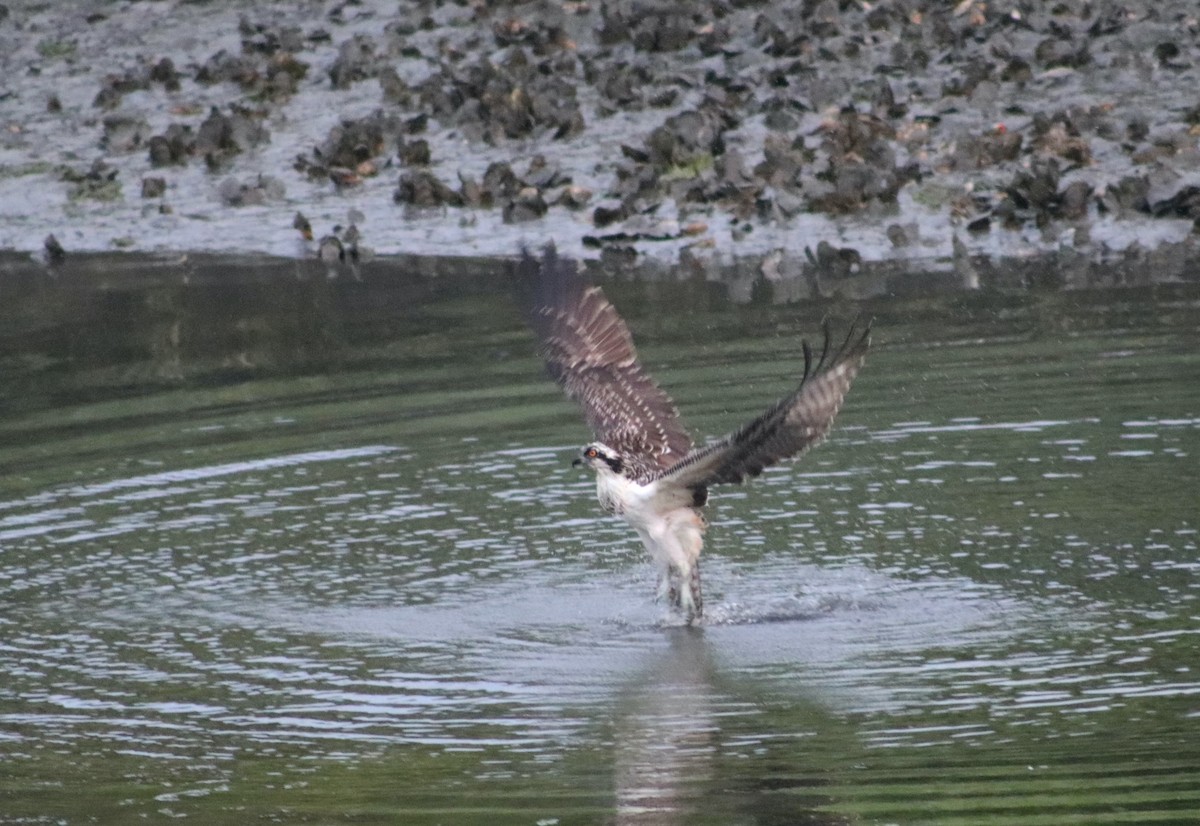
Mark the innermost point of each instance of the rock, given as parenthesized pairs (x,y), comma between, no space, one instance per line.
(270,39)
(223,67)
(330,249)
(115,86)
(284,73)
(267,68)
(348,152)
(221,136)
(254,192)
(1057,135)
(153,187)
(500,182)
(395,90)
(574,197)
(1017,71)
(421,188)
(1054,52)
(652,25)
(173,147)
(544,174)
(979,225)
(527,205)
(1174,193)
(1033,193)
(124,132)
(692,137)
(606,214)
(414,153)
(1073,201)
(164,72)
(98,183)
(53,251)
(902,235)
(997,145)
(350,238)
(301,224)
(834,262)
(356,61)
(1129,193)
(473,194)
(499,102)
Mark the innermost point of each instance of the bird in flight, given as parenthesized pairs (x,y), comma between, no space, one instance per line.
(647,470)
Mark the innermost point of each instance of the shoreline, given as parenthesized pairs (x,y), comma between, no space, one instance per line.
(796,135)
(743,279)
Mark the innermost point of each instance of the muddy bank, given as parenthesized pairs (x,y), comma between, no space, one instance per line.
(738,279)
(805,140)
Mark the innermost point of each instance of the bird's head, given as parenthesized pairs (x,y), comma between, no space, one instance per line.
(599,457)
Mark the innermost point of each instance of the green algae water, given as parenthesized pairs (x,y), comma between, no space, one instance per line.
(275,548)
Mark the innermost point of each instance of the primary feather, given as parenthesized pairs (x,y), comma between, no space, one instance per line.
(787,428)
(590,354)
(646,469)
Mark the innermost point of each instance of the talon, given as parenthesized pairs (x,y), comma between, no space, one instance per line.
(686,596)
(696,597)
(664,590)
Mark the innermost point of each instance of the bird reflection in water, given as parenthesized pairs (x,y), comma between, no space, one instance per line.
(666,735)
(671,739)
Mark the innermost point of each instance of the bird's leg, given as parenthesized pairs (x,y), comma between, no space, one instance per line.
(697,599)
(689,600)
(681,548)
(670,588)
(665,589)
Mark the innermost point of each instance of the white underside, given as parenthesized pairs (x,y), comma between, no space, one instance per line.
(673,540)
(670,528)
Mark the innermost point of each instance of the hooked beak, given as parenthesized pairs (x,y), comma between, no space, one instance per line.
(577,462)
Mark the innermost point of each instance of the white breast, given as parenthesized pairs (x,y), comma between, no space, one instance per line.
(638,504)
(620,495)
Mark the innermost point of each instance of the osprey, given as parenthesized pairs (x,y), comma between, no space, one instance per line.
(647,471)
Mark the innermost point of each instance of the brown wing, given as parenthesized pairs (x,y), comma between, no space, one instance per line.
(589,352)
(789,427)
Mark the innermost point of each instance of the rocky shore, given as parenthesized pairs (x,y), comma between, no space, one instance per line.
(804,136)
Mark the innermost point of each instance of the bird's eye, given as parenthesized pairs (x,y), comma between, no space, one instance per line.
(591,453)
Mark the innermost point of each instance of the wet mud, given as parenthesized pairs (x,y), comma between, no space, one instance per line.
(807,142)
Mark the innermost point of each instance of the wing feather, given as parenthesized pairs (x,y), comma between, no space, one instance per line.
(590,354)
(787,428)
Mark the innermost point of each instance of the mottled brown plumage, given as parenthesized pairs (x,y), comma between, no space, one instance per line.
(590,354)
(786,429)
(646,470)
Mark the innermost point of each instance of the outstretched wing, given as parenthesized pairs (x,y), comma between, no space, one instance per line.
(789,427)
(589,352)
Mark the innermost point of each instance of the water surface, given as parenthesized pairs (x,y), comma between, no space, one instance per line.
(285,549)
